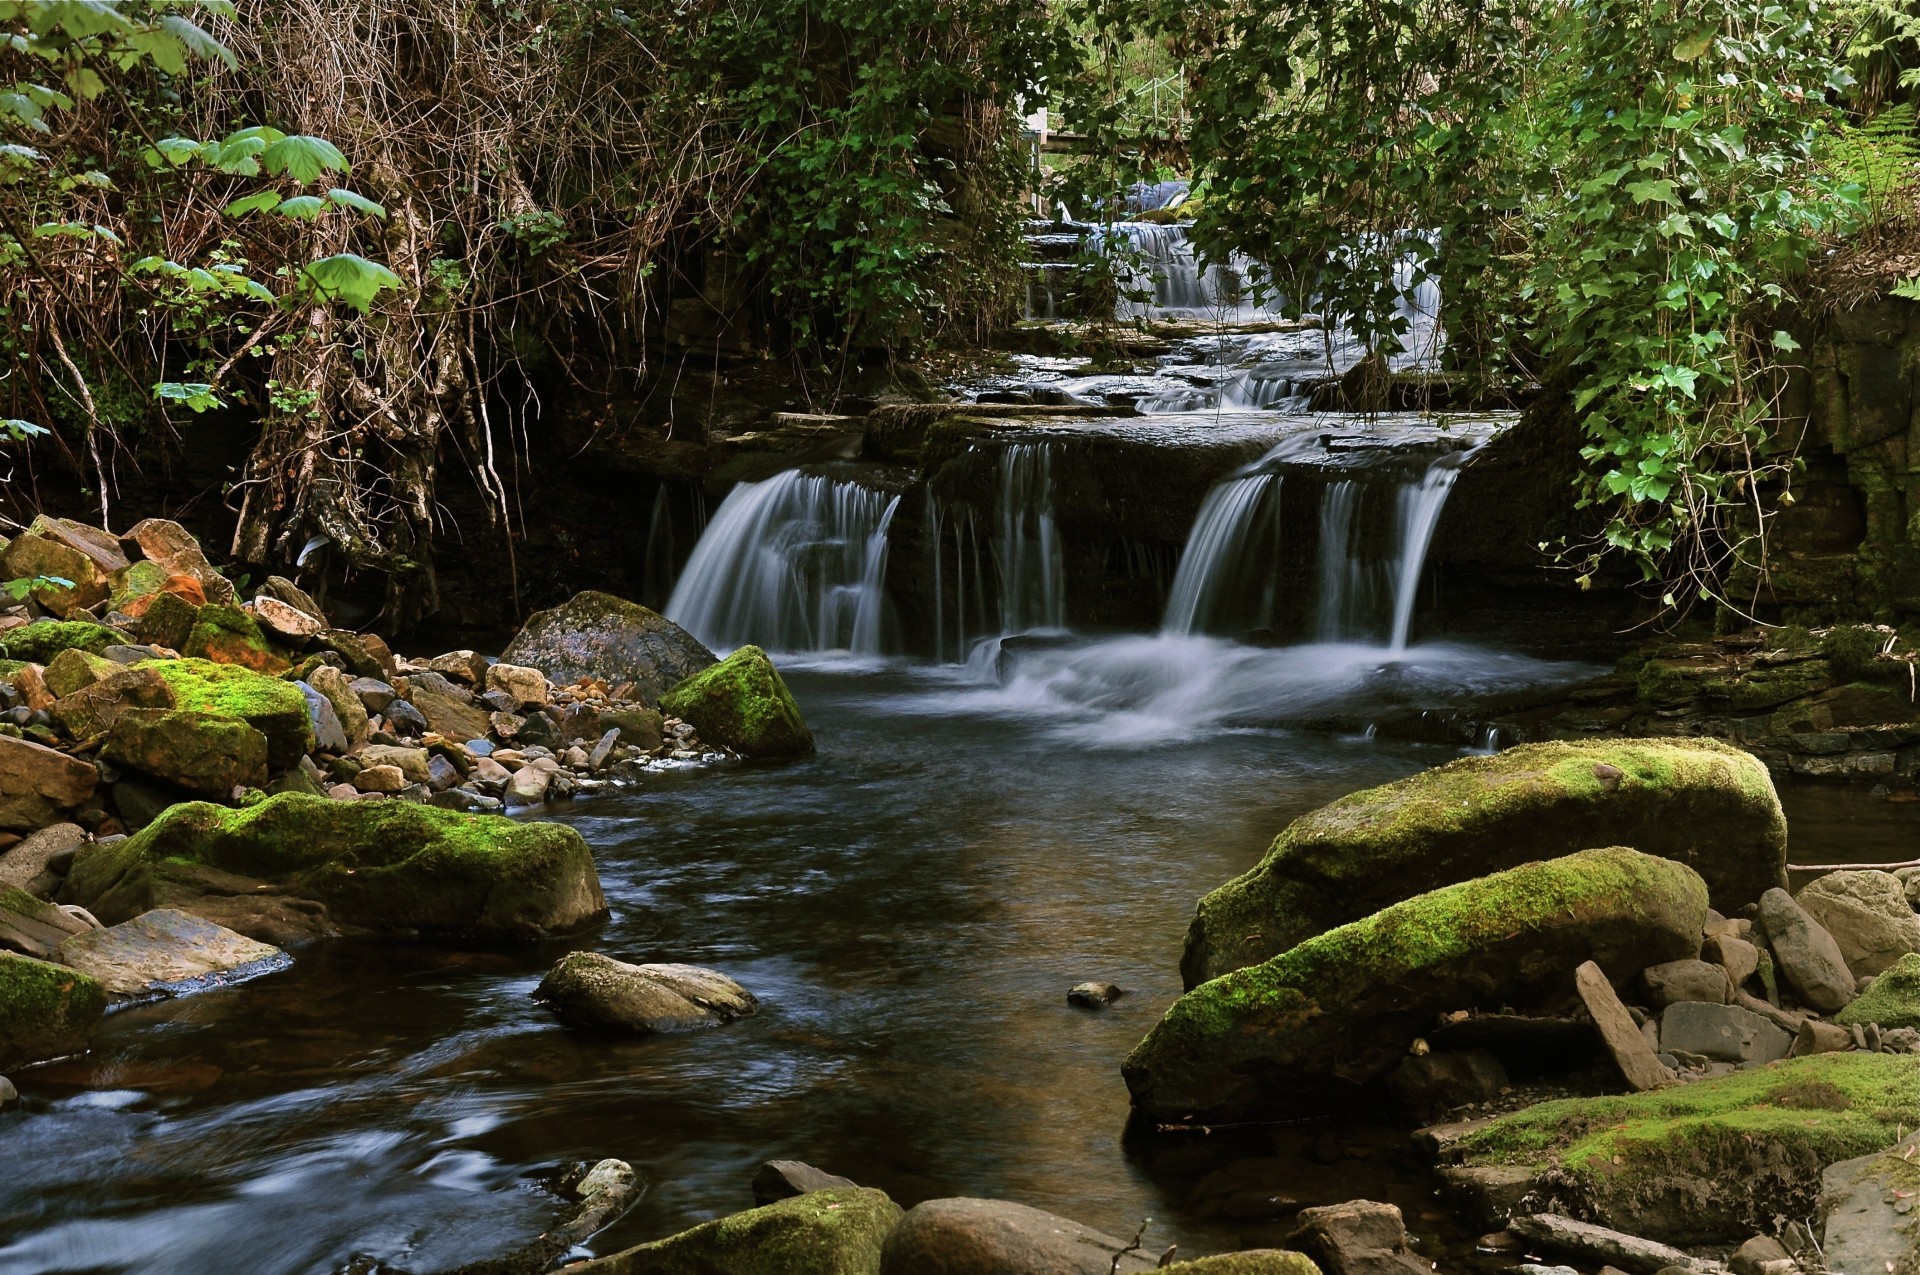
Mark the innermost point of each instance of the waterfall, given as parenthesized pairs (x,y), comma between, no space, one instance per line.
(795,563)
(1420,507)
(1342,580)
(1215,549)
(1160,263)
(1027,550)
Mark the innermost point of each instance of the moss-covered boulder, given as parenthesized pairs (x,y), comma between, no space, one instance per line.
(225,634)
(40,641)
(1341,1009)
(35,556)
(1259,1261)
(92,710)
(1892,1001)
(836,1232)
(46,1011)
(610,640)
(1700,802)
(274,707)
(201,752)
(389,867)
(73,669)
(168,620)
(742,703)
(1714,1161)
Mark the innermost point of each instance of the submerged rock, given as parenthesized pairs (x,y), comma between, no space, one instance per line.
(1341,1008)
(1699,802)
(167,952)
(387,867)
(46,1011)
(836,1232)
(609,640)
(742,703)
(1712,1162)
(1892,1001)
(587,989)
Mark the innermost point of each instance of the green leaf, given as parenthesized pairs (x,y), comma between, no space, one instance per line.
(303,207)
(302,157)
(357,202)
(20,429)
(1694,47)
(192,394)
(198,42)
(260,201)
(347,277)
(1657,191)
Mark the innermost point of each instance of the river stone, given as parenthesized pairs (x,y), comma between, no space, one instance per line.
(100,547)
(374,694)
(202,752)
(93,710)
(1342,1008)
(1674,981)
(73,669)
(38,785)
(271,705)
(609,640)
(173,547)
(225,634)
(167,953)
(365,654)
(46,1011)
(1711,1162)
(30,556)
(34,927)
(1359,1237)
(1700,802)
(387,779)
(22,864)
(784,1179)
(1738,957)
(347,706)
(286,621)
(836,1232)
(742,703)
(1868,915)
(413,763)
(1726,1033)
(329,736)
(281,589)
(525,687)
(998,1237)
(443,711)
(383,867)
(1870,1212)
(642,728)
(588,989)
(42,640)
(405,720)
(1630,1050)
(1805,953)
(1892,1001)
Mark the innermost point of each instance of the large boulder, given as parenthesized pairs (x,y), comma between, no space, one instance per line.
(175,549)
(201,752)
(1805,953)
(38,785)
(388,867)
(965,1236)
(93,709)
(836,1232)
(1892,1001)
(1870,1223)
(1868,915)
(271,705)
(166,953)
(1342,1008)
(46,1010)
(591,990)
(743,704)
(34,556)
(225,634)
(608,639)
(40,641)
(1699,802)
(1712,1162)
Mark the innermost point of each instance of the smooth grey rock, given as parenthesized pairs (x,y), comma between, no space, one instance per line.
(8,1094)
(1762,1255)
(22,864)
(1673,981)
(34,927)
(588,989)
(329,736)
(167,952)
(413,763)
(1805,954)
(1739,957)
(1486,1195)
(600,637)
(1868,915)
(784,1179)
(1597,1243)
(1359,1237)
(528,787)
(1724,1032)
(524,687)
(1629,1047)
(998,1237)
(405,719)
(373,693)
(1869,1228)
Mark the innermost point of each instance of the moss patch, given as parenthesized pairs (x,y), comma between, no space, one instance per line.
(225,634)
(742,703)
(39,642)
(1892,1001)
(1257,1262)
(836,1232)
(271,706)
(46,1011)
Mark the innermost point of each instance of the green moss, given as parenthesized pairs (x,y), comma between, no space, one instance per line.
(1851,649)
(835,1232)
(1262,1262)
(40,641)
(45,1010)
(274,707)
(228,635)
(74,669)
(1892,1001)
(743,704)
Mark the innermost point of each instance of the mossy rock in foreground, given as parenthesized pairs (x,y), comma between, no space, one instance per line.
(40,641)
(46,1011)
(743,703)
(1700,802)
(1714,1161)
(1892,1001)
(272,706)
(388,867)
(835,1232)
(1283,1037)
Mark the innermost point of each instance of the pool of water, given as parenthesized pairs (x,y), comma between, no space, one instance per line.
(910,906)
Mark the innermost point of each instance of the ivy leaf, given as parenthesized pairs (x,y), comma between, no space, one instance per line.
(1658,191)
(357,202)
(347,277)
(302,157)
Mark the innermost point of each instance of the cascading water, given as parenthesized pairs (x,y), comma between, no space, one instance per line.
(1420,506)
(1227,522)
(795,563)
(1027,550)
(1163,279)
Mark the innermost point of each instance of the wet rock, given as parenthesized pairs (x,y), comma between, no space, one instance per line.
(373,693)
(384,867)
(204,753)
(528,787)
(442,711)
(1723,1032)
(587,989)
(1093,995)
(34,927)
(1867,914)
(1627,1045)
(643,728)
(1674,981)
(167,953)
(329,736)
(39,785)
(274,707)
(24,863)
(1565,1235)
(525,687)
(1698,802)
(1428,1084)
(1342,1007)
(784,1179)
(743,704)
(46,1010)
(1805,953)
(92,710)
(1360,1237)
(998,1237)
(175,549)
(606,639)
(1892,1002)
(1871,1225)
(9,1096)
(837,1232)
(286,622)
(462,799)
(1486,1195)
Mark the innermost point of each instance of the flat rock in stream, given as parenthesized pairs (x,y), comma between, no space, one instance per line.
(966,1236)
(167,952)
(835,1232)
(587,989)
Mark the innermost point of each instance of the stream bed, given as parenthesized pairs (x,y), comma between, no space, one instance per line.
(910,906)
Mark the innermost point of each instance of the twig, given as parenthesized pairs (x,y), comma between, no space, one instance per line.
(1113,1268)
(1852,867)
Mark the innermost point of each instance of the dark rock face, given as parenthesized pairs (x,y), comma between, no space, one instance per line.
(1866,1227)
(609,640)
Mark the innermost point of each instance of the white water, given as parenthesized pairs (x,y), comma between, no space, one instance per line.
(1219,538)
(795,563)
(1420,507)
(1027,548)
(1169,282)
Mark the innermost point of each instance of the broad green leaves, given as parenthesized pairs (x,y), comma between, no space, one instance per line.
(348,278)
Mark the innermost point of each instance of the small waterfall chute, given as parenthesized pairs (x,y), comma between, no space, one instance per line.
(1027,548)
(1228,520)
(1420,506)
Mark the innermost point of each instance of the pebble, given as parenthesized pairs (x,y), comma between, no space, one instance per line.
(1093,995)
(8,1094)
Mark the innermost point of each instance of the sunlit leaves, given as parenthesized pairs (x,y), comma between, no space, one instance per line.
(348,278)
(302,158)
